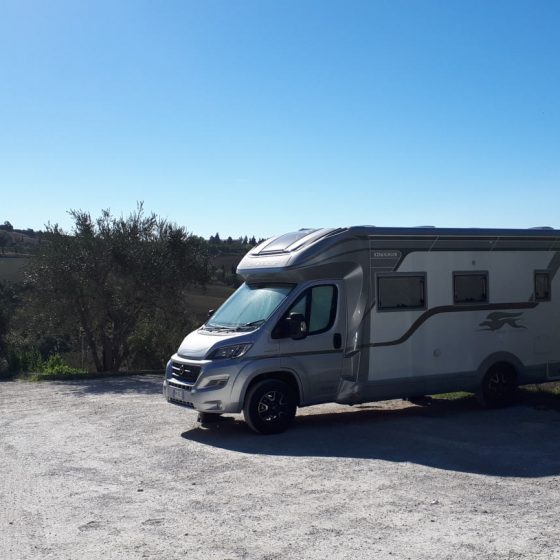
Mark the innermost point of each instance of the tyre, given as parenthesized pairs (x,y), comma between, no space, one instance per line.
(270,406)
(498,387)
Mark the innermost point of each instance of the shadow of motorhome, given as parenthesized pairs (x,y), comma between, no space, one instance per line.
(520,441)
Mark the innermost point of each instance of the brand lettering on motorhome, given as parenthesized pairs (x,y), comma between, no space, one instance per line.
(386,254)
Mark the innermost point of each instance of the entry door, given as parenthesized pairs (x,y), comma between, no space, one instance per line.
(317,359)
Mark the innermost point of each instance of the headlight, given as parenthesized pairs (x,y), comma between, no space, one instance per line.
(235,351)
(214,382)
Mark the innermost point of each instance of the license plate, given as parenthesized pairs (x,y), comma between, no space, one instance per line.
(177,394)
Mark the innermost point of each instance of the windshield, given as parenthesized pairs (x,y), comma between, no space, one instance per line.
(249,307)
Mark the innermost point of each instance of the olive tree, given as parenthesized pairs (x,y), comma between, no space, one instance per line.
(112,275)
(6,305)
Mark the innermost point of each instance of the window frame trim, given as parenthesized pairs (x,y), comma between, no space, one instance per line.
(549,276)
(304,293)
(381,275)
(484,273)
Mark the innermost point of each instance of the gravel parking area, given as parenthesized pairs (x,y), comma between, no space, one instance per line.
(107,469)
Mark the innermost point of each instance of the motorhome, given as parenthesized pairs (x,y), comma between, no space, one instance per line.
(362,314)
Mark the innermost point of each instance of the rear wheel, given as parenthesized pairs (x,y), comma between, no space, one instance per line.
(270,406)
(498,387)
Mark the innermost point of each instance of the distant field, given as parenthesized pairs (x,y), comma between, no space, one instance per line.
(202,300)
(11,269)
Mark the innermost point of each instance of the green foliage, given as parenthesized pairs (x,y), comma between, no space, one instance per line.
(29,362)
(55,365)
(452,396)
(24,360)
(5,240)
(12,269)
(8,302)
(111,277)
(157,337)
(230,246)
(114,293)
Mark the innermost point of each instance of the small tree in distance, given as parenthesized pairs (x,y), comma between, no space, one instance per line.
(112,277)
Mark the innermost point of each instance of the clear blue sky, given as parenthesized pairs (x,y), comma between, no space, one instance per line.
(259,117)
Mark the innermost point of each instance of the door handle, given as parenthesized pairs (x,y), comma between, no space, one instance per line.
(337,340)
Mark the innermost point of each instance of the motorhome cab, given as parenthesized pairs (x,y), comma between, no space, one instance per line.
(362,314)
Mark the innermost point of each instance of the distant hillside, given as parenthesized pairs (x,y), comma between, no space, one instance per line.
(17,242)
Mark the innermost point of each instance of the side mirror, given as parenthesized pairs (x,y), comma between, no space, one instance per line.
(297,326)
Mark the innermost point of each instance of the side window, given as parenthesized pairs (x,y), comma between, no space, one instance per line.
(318,306)
(470,287)
(401,292)
(323,308)
(542,286)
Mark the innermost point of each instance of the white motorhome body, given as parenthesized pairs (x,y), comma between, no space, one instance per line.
(363,313)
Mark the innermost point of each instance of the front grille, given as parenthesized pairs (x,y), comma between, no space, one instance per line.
(185,372)
(179,386)
(182,403)
(185,390)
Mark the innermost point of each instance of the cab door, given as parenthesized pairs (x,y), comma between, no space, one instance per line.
(317,358)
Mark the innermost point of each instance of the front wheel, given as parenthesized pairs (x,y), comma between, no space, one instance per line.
(270,406)
(498,386)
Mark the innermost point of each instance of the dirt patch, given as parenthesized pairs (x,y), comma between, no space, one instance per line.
(107,469)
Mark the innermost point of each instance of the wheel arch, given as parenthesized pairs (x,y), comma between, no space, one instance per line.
(288,377)
(498,358)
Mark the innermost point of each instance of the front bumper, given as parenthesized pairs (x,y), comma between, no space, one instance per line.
(200,395)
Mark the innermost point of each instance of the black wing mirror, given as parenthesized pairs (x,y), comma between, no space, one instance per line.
(297,326)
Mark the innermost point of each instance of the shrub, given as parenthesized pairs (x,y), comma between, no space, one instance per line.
(24,360)
(55,365)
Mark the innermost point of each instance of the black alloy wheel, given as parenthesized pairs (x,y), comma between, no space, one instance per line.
(270,406)
(498,387)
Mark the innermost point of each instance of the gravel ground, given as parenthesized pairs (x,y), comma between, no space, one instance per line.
(107,469)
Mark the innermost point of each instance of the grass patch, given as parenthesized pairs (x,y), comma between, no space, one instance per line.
(452,396)
(548,388)
(56,369)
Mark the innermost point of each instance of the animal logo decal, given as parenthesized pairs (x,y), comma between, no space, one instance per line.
(497,319)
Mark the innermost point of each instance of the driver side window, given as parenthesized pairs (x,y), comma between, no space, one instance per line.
(318,306)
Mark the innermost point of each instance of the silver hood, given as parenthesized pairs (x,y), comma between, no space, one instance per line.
(198,344)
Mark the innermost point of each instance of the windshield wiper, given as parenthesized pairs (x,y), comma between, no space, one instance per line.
(251,325)
(220,328)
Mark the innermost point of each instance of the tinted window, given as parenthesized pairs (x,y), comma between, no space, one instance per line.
(542,286)
(317,305)
(323,308)
(401,292)
(470,288)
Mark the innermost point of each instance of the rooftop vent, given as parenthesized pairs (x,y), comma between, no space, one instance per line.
(294,241)
(281,243)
